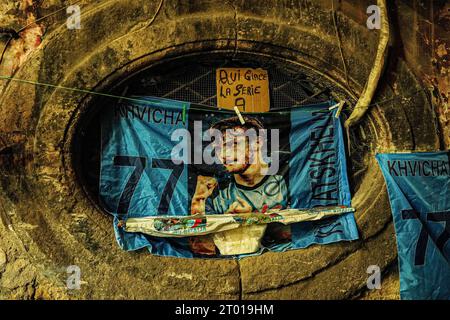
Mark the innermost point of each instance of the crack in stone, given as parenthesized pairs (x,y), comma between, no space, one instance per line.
(408,121)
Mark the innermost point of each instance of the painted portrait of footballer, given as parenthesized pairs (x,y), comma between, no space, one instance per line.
(252,188)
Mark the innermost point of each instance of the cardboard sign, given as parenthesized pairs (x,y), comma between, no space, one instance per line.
(246,88)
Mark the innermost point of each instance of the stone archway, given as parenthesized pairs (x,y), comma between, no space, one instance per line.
(59,226)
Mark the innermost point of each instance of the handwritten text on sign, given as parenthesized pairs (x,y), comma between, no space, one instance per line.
(246,88)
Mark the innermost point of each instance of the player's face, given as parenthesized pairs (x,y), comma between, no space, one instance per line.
(234,152)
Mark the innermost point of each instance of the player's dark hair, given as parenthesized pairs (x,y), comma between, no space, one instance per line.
(233,122)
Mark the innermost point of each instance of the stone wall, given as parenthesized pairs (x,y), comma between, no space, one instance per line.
(48,221)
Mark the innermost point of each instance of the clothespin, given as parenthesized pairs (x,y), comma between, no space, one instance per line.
(241,119)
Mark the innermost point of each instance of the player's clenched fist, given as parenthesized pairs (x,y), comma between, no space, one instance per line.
(239,206)
(204,189)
